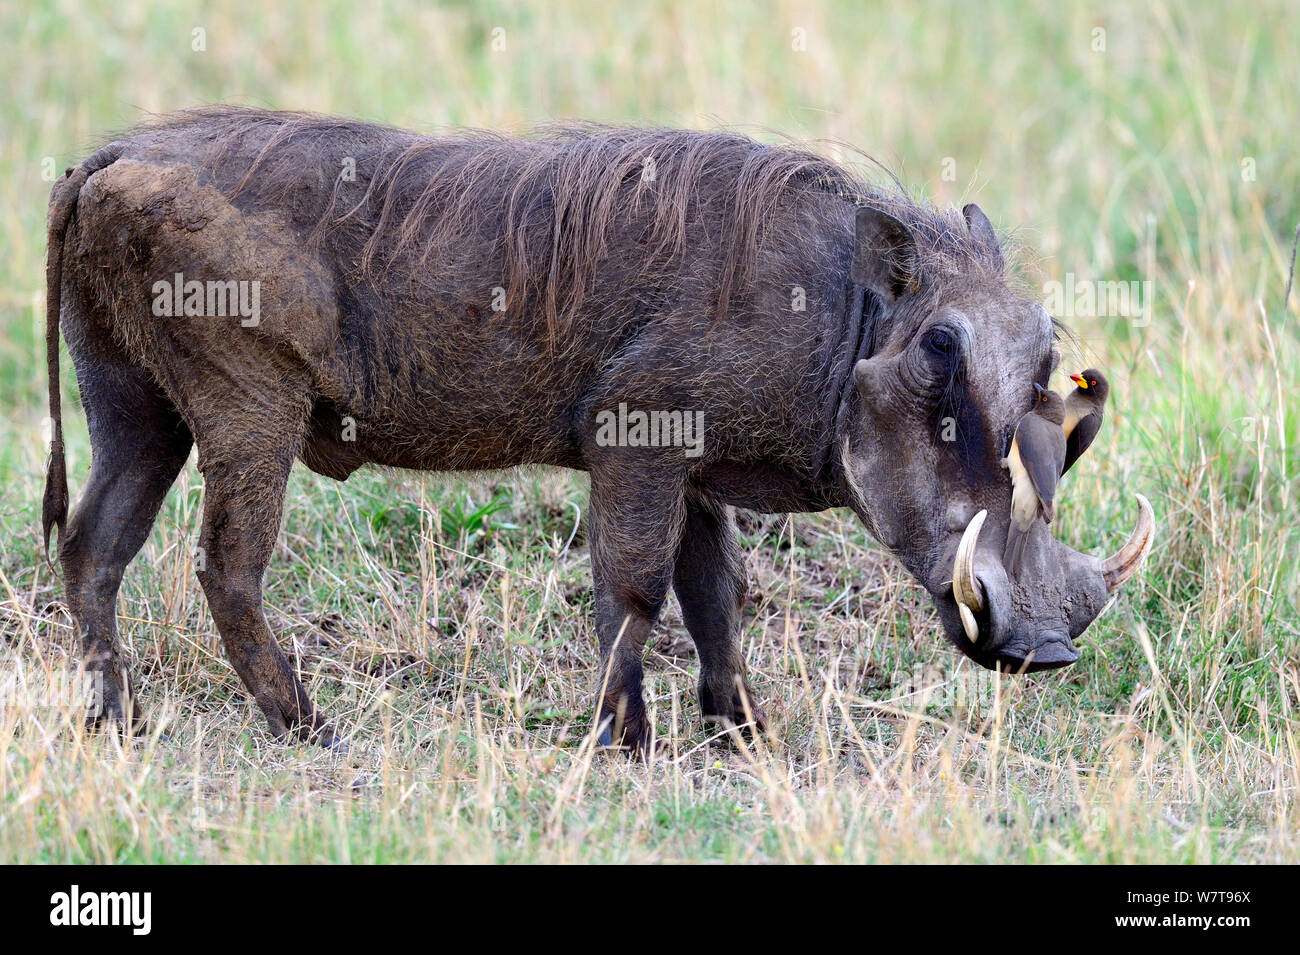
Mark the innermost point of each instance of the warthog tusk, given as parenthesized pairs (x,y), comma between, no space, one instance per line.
(965,586)
(1119,568)
(969,623)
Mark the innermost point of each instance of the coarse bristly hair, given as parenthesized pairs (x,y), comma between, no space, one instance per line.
(554,196)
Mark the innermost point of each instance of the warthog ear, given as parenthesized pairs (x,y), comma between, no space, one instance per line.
(884,254)
(982,230)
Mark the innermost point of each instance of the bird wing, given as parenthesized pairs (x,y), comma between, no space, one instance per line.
(1078,440)
(1042,452)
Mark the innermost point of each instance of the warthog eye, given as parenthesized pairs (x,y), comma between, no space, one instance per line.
(939,341)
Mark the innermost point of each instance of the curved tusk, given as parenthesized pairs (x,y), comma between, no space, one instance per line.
(965,585)
(1119,568)
(969,623)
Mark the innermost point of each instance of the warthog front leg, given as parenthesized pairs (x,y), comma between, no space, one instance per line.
(635,526)
(710,581)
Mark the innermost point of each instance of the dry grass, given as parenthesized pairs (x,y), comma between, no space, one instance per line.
(460,657)
(463,672)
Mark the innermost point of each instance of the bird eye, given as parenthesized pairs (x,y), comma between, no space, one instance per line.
(1093,383)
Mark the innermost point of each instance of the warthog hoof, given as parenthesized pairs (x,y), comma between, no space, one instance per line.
(119,712)
(744,714)
(629,732)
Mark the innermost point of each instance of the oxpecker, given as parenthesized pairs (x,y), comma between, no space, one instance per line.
(1035,460)
(1084,409)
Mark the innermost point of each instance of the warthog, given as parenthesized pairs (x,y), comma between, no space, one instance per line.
(479,302)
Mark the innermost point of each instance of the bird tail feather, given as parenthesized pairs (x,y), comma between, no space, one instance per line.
(1015,550)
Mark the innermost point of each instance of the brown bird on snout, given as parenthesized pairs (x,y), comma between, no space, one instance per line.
(1035,460)
(1084,409)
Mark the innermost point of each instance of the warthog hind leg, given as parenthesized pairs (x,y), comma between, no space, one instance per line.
(241,516)
(138,445)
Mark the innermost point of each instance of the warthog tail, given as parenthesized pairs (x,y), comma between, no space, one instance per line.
(63,204)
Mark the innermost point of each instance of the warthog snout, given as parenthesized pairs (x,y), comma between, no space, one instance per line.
(1030,624)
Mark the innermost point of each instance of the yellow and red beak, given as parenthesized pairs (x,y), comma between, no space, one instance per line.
(1081,381)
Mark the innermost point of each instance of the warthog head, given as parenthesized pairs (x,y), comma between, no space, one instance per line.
(951,365)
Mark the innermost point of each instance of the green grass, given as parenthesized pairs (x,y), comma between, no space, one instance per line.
(445,624)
